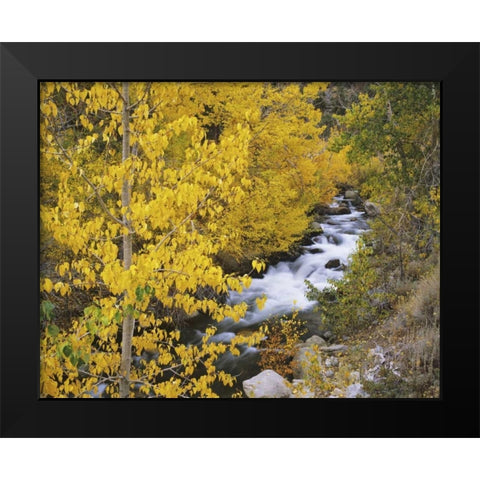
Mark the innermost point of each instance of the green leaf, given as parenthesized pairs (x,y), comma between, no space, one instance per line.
(92,311)
(53,330)
(74,360)
(46,310)
(91,327)
(67,350)
(139,292)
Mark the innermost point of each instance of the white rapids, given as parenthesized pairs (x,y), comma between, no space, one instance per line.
(284,286)
(284,283)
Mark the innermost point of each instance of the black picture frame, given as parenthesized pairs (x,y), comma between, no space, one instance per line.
(455,414)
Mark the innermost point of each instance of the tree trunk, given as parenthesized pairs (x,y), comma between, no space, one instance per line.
(128,320)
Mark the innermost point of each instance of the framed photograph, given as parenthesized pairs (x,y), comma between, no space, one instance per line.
(239,240)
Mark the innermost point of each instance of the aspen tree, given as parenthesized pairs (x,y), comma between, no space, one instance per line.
(142,185)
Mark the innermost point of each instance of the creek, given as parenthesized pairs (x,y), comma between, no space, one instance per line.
(285,288)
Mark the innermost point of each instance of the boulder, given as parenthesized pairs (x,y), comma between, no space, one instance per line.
(316,340)
(334,348)
(317,343)
(341,210)
(316,228)
(355,391)
(328,335)
(289,256)
(308,316)
(335,263)
(302,359)
(313,322)
(334,239)
(371,209)
(267,384)
(300,390)
(353,196)
(350,195)
(331,362)
(321,210)
(231,264)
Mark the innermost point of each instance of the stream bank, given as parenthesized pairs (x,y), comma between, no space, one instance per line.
(322,257)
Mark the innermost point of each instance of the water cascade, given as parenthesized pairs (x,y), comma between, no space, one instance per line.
(284,285)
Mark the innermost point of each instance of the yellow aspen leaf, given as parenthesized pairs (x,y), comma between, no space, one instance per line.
(50,387)
(63,268)
(47,285)
(190,197)
(261,302)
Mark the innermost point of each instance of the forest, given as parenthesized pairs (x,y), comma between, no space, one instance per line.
(226,239)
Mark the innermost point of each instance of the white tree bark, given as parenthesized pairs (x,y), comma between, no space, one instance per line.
(128,323)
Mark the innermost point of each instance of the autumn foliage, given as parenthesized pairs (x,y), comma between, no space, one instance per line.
(147,187)
(142,184)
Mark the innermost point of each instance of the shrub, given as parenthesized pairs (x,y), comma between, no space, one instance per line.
(356,300)
(420,336)
(281,343)
(388,385)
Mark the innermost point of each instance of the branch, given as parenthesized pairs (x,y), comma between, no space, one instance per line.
(171,271)
(111,112)
(185,220)
(117,90)
(147,91)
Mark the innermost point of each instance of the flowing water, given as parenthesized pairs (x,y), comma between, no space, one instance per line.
(284,286)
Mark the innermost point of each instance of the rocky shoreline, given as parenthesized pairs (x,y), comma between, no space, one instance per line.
(321,370)
(318,360)
(319,366)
